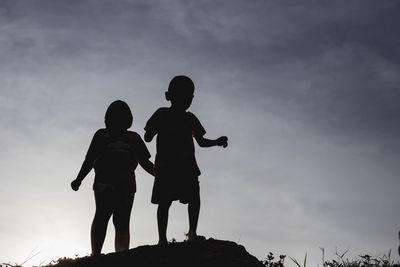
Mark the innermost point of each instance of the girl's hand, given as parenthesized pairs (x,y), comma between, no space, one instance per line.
(75,184)
(222,141)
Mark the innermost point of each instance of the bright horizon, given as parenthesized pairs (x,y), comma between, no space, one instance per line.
(307,94)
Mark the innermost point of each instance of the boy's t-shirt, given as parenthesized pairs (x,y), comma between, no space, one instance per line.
(115,158)
(175,147)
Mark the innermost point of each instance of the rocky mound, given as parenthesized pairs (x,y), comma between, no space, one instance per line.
(207,253)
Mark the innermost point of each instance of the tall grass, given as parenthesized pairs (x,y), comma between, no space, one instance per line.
(339,261)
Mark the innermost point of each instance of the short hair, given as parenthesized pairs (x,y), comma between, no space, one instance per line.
(118,116)
(179,83)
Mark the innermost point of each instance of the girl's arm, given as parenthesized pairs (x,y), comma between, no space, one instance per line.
(85,169)
(87,165)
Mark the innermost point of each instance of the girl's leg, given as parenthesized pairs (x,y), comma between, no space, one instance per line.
(162,220)
(121,218)
(100,221)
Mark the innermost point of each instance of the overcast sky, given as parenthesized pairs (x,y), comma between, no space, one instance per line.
(307,92)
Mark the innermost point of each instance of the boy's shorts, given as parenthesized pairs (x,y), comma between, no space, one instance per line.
(169,187)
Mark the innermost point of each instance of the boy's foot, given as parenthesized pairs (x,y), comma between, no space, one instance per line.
(162,242)
(194,237)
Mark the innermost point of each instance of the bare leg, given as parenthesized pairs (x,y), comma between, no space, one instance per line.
(122,238)
(98,230)
(193,211)
(121,218)
(100,221)
(162,220)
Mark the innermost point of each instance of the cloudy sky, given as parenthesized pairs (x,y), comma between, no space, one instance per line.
(307,93)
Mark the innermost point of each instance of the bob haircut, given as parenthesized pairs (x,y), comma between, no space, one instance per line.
(118,116)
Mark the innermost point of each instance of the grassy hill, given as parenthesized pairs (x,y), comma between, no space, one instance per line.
(208,253)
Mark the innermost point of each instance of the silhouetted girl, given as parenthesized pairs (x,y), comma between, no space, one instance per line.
(114,153)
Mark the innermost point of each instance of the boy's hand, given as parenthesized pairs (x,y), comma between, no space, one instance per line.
(222,141)
(75,184)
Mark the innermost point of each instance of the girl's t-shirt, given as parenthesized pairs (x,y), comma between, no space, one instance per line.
(115,158)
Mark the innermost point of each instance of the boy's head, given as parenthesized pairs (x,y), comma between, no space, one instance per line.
(180,92)
(118,116)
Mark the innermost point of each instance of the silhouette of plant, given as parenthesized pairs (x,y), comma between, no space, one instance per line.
(297,263)
(269,261)
(362,261)
(340,261)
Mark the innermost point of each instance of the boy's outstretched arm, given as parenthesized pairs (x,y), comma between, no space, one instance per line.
(85,169)
(204,142)
(147,165)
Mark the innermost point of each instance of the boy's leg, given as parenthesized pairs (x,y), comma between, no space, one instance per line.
(121,218)
(100,221)
(194,210)
(162,221)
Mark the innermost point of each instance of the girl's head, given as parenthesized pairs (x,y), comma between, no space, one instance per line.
(118,116)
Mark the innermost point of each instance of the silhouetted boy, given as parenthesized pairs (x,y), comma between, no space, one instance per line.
(114,153)
(176,170)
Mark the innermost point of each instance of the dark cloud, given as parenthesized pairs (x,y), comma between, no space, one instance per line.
(333,66)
